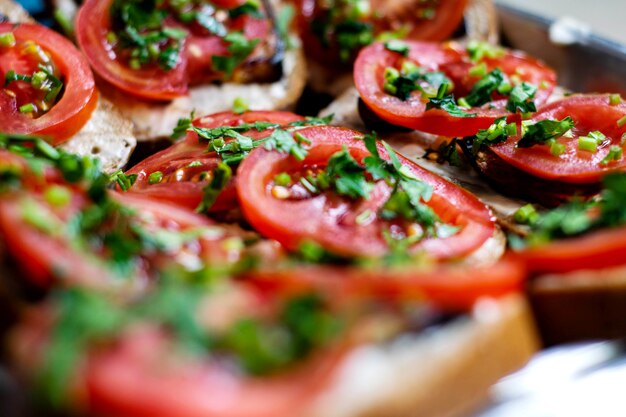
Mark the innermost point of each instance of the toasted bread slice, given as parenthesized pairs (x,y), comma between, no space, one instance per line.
(108,135)
(444,372)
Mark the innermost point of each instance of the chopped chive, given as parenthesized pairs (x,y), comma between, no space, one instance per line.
(615,154)
(621,122)
(310,187)
(240,105)
(556,148)
(156,177)
(585,143)
(7,39)
(479,70)
(134,64)
(505,88)
(463,103)
(38,80)
(363,217)
(615,99)
(27,108)
(111,38)
(510,129)
(283,179)
(598,136)
(57,196)
(391,75)
(526,214)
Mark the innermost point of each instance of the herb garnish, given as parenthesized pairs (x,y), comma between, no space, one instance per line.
(445,101)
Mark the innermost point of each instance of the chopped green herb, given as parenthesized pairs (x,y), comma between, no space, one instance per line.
(615,99)
(27,108)
(526,214)
(155,178)
(539,133)
(520,98)
(621,122)
(398,46)
(483,89)
(498,132)
(615,154)
(445,101)
(7,40)
(478,50)
(239,47)
(240,105)
(282,179)
(221,176)
(123,181)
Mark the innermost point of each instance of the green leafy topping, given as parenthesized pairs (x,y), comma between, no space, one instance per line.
(182,126)
(221,177)
(124,181)
(526,214)
(346,176)
(520,98)
(577,217)
(155,178)
(483,89)
(498,132)
(445,101)
(7,39)
(239,47)
(411,78)
(615,154)
(539,133)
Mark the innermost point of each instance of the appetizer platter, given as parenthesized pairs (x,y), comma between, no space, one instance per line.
(277,208)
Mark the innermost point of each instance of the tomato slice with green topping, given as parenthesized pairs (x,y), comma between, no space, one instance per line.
(334,30)
(330,198)
(444,89)
(48,88)
(58,236)
(156,51)
(180,173)
(591,148)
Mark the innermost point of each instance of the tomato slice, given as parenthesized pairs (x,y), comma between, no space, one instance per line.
(186,166)
(337,30)
(590,113)
(333,221)
(454,288)
(453,61)
(57,116)
(49,255)
(595,250)
(130,381)
(196,45)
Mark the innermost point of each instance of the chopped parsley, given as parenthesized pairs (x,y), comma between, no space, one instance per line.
(541,132)
(498,132)
(239,47)
(221,176)
(446,102)
(483,89)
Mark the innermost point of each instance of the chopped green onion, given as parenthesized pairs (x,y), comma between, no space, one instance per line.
(310,187)
(556,148)
(621,122)
(526,214)
(391,75)
(156,177)
(27,108)
(598,136)
(510,129)
(240,105)
(57,196)
(7,39)
(479,70)
(615,99)
(463,103)
(615,154)
(39,79)
(585,143)
(398,46)
(505,88)
(283,179)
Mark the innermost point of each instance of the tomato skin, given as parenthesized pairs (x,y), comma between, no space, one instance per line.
(79,98)
(595,250)
(451,59)
(188,193)
(330,221)
(590,113)
(452,288)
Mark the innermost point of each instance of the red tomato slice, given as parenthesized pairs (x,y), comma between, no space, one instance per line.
(194,66)
(72,107)
(331,220)
(453,61)
(47,256)
(449,287)
(590,113)
(133,381)
(182,184)
(595,250)
(430,20)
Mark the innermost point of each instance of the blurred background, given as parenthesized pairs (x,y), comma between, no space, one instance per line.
(605,17)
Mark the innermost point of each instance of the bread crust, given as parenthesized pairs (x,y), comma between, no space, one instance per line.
(443,372)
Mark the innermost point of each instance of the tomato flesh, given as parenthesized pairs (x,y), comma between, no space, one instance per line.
(56,119)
